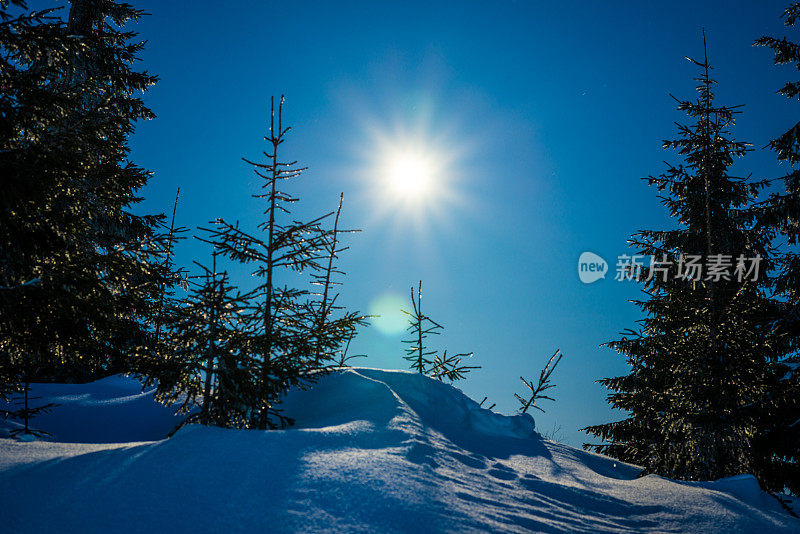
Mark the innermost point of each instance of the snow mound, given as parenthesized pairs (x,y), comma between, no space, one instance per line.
(377,396)
(371,451)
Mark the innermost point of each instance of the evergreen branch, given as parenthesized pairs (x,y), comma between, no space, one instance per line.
(536,392)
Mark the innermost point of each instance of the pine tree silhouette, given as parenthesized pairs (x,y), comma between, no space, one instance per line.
(778,442)
(25,411)
(79,266)
(700,360)
(332,330)
(286,332)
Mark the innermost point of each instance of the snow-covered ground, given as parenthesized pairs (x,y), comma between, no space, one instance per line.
(372,451)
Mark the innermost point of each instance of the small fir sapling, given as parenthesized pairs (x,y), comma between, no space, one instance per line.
(26,412)
(171,278)
(286,337)
(424,360)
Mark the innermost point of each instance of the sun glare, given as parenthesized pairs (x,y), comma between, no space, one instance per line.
(410,175)
(413,174)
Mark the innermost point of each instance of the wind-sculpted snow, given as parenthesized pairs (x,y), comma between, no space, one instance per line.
(371,451)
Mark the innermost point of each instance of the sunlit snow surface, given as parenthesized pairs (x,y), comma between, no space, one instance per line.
(372,451)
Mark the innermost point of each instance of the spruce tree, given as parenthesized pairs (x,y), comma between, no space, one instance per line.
(79,270)
(419,328)
(282,339)
(781,438)
(698,388)
(156,357)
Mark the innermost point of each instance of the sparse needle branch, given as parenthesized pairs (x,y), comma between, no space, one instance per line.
(544,384)
(450,367)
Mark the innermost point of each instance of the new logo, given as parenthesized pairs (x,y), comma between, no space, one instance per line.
(591,267)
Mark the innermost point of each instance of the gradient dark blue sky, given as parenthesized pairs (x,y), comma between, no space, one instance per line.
(547,114)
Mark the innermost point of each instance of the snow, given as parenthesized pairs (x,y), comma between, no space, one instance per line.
(111,410)
(372,451)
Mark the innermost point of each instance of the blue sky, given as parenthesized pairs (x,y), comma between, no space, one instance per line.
(541,119)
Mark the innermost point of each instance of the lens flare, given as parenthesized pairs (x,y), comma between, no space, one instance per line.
(388,317)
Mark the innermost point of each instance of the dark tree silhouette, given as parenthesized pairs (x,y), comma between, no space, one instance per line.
(779,442)
(332,329)
(80,271)
(700,363)
(24,411)
(208,371)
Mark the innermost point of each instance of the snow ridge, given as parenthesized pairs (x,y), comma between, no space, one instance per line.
(372,451)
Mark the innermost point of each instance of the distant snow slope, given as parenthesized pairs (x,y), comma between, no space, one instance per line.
(111,410)
(372,451)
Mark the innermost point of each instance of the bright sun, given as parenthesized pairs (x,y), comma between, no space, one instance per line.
(410,175)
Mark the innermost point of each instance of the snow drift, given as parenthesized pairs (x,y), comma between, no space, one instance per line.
(372,451)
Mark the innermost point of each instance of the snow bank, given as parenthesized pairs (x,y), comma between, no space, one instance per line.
(372,451)
(377,396)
